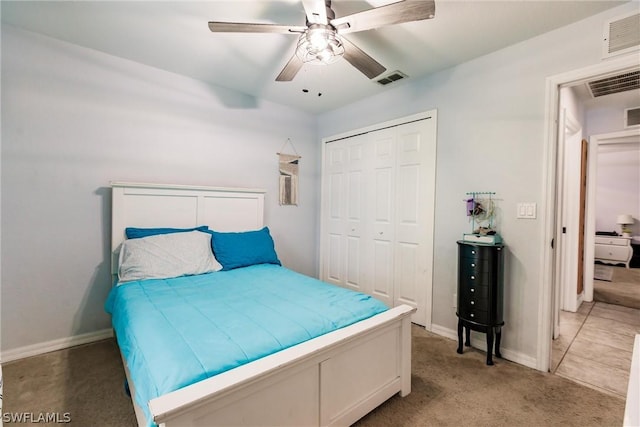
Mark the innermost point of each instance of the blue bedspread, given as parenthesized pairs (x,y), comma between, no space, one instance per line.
(175,332)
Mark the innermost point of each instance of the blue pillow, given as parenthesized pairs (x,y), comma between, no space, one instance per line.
(234,250)
(136,233)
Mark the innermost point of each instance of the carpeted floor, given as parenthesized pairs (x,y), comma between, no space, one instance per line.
(448,390)
(623,289)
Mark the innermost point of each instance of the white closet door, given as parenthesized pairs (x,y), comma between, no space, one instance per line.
(334,211)
(377,216)
(355,258)
(380,221)
(344,197)
(414,206)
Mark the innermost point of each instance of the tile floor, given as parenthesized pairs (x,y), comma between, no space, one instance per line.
(595,346)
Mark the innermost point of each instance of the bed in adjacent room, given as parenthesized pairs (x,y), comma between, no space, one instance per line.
(236,338)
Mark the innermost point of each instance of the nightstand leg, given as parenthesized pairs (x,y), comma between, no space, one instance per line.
(467,341)
(498,338)
(459,336)
(489,346)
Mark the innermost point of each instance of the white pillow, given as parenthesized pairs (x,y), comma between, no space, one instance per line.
(166,255)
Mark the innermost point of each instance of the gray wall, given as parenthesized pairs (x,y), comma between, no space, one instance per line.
(490,138)
(75,119)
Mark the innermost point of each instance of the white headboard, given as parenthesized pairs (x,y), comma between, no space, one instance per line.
(181,206)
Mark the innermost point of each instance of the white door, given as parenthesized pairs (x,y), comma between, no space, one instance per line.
(354,211)
(380,222)
(334,213)
(569,138)
(414,206)
(343,204)
(377,216)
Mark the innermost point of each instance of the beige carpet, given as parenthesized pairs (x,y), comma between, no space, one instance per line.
(85,381)
(448,390)
(623,289)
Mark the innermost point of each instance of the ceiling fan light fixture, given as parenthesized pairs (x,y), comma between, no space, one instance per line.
(319,45)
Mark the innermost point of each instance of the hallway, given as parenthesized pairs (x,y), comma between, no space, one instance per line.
(595,346)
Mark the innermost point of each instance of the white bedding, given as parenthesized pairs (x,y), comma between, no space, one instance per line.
(165,256)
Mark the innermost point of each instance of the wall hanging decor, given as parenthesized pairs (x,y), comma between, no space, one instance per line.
(288,165)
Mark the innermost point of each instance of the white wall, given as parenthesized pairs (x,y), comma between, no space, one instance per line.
(490,138)
(606,114)
(618,186)
(73,120)
(618,183)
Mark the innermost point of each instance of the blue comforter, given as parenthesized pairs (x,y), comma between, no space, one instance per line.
(175,332)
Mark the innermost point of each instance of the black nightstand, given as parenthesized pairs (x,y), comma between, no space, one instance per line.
(480,293)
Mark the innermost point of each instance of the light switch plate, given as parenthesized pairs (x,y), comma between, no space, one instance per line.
(526,210)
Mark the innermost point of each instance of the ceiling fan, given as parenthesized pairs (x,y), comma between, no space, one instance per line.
(321,41)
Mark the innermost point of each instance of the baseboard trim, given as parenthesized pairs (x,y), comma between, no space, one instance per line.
(54,345)
(444,332)
(481,344)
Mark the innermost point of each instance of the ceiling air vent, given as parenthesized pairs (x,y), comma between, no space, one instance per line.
(632,117)
(393,77)
(621,35)
(615,84)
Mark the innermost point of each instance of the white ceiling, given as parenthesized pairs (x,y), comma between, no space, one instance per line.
(174,36)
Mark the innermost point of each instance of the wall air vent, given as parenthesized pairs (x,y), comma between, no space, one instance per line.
(632,117)
(393,77)
(621,35)
(615,84)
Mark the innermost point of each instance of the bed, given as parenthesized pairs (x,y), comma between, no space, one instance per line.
(327,378)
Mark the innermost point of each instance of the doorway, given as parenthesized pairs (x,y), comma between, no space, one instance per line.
(552,222)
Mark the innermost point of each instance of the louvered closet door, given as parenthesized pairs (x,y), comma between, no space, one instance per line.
(344,183)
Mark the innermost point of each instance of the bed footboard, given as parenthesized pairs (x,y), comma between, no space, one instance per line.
(334,379)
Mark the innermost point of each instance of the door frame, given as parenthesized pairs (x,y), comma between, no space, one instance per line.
(567,241)
(549,220)
(627,136)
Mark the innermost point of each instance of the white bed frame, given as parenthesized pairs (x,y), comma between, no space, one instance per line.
(334,379)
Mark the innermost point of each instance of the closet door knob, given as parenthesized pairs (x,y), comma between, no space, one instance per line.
(473,265)
(473,290)
(473,277)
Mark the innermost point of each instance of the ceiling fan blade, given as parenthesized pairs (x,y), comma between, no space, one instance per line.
(363,62)
(239,27)
(394,13)
(290,70)
(316,11)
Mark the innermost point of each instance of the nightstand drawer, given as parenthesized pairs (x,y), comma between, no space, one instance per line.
(612,252)
(614,241)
